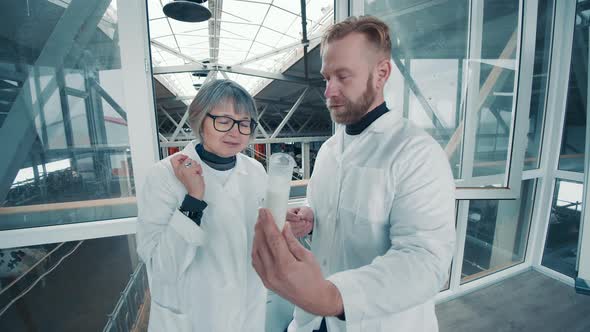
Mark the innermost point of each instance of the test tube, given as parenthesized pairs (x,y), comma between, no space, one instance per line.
(280,172)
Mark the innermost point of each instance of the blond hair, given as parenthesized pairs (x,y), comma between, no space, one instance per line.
(375,30)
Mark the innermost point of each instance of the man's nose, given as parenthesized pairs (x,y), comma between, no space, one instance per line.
(331,90)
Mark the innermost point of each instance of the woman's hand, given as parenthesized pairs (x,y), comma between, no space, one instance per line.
(190,174)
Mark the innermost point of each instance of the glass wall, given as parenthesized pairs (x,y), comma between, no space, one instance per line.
(540,84)
(63,133)
(454,75)
(574,129)
(497,233)
(561,245)
(70,286)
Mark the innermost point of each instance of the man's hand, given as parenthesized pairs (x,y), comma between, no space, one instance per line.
(290,270)
(300,220)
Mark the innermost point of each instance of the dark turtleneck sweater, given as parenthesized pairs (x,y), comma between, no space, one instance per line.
(366,120)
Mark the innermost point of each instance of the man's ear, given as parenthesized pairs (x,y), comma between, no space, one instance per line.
(382,72)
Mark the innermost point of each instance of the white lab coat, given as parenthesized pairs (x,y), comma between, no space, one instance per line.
(384,227)
(201,277)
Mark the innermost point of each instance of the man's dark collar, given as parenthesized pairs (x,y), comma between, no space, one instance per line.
(366,120)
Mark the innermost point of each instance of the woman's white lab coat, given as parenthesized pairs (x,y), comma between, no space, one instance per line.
(201,277)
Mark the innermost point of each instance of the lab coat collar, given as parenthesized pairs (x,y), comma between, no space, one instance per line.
(383,124)
(379,126)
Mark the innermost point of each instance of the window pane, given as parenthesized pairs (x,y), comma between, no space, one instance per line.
(497,233)
(571,156)
(70,286)
(428,63)
(460,91)
(561,246)
(64,137)
(540,83)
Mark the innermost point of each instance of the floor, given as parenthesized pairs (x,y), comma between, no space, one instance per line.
(530,301)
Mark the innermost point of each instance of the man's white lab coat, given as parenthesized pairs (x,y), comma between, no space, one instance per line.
(384,226)
(201,277)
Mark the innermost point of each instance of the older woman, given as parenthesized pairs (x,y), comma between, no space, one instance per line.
(196,221)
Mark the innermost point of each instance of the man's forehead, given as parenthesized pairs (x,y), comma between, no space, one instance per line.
(336,58)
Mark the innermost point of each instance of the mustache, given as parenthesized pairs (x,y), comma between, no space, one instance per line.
(332,102)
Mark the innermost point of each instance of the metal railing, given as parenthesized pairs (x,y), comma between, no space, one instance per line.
(126,313)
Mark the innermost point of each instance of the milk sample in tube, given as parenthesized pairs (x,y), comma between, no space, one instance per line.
(280,171)
(277,199)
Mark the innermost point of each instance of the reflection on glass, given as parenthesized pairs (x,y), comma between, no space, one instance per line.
(540,83)
(497,234)
(571,157)
(453,75)
(429,49)
(70,286)
(561,245)
(64,136)
(490,100)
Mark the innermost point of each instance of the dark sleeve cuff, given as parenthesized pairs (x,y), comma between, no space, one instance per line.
(192,204)
(193,208)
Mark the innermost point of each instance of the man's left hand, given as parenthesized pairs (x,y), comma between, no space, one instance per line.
(290,270)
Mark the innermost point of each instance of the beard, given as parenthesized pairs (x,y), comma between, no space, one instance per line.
(352,111)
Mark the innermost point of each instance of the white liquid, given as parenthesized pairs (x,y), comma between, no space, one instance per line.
(277,198)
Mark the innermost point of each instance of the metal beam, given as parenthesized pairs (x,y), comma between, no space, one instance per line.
(274,52)
(279,112)
(105,95)
(274,76)
(293,109)
(175,52)
(431,112)
(304,124)
(176,98)
(263,141)
(262,131)
(304,40)
(163,110)
(262,113)
(214,30)
(305,160)
(12,75)
(75,92)
(285,103)
(66,115)
(185,116)
(192,67)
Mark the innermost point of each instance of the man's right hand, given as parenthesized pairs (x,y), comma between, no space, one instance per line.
(190,174)
(300,220)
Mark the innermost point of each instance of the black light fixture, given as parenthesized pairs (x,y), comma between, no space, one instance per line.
(201,73)
(187,10)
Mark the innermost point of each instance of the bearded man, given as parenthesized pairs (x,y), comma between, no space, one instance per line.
(381,206)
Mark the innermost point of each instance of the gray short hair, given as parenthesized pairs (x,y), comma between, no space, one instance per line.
(214,93)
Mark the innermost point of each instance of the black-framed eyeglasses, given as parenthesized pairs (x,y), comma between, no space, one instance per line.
(224,124)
